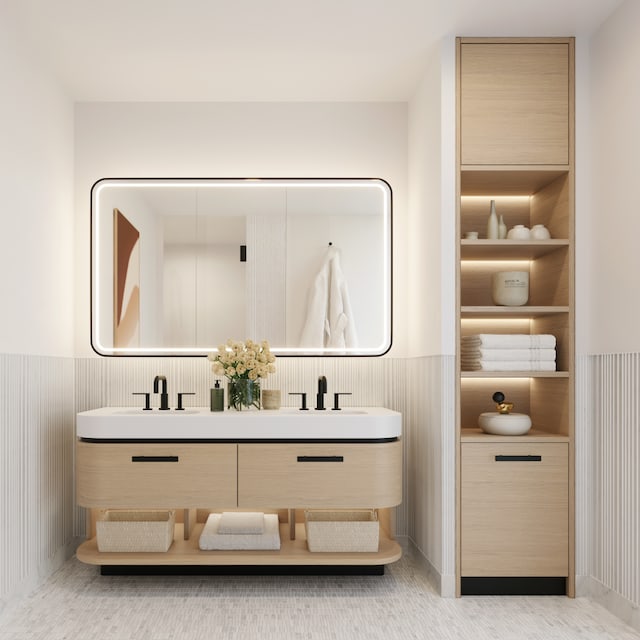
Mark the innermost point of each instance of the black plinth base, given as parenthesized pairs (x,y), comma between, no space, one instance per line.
(241,570)
(513,586)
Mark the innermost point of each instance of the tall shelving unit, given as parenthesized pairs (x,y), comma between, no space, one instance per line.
(515,127)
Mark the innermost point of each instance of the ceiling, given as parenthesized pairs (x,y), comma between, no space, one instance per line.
(268,50)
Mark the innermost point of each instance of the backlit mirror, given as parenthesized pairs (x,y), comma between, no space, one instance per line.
(179,266)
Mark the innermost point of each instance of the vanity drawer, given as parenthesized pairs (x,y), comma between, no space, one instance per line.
(515,509)
(156,475)
(320,475)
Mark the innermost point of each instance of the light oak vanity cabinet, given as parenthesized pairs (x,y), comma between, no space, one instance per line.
(515,145)
(217,476)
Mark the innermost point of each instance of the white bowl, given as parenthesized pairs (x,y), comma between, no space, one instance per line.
(504,424)
(519,232)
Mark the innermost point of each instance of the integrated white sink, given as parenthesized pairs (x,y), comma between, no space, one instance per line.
(199,423)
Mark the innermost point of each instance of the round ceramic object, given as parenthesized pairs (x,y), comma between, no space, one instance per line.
(510,288)
(504,424)
(540,232)
(271,399)
(519,232)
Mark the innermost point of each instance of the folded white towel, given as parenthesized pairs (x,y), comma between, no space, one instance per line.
(482,353)
(241,523)
(269,539)
(510,341)
(508,365)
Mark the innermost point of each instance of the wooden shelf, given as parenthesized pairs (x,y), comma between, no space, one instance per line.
(535,435)
(509,249)
(524,312)
(507,180)
(292,552)
(514,374)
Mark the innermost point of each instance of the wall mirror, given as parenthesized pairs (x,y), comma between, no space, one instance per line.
(179,266)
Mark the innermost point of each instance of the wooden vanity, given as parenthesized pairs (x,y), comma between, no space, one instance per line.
(197,477)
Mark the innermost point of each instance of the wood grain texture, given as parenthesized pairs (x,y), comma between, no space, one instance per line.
(204,475)
(515,515)
(292,552)
(369,476)
(514,103)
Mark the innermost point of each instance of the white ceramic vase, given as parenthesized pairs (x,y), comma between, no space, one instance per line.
(492,223)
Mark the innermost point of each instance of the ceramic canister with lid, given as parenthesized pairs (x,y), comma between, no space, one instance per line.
(510,288)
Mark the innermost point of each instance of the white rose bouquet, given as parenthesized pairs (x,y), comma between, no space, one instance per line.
(243,360)
(243,364)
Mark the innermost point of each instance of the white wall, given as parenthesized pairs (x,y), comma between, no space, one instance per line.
(429,421)
(36,325)
(608,316)
(36,210)
(611,242)
(243,139)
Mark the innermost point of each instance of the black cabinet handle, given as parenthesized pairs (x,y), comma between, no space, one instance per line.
(155,458)
(320,458)
(518,458)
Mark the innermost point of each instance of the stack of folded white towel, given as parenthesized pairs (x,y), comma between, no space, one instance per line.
(235,530)
(508,352)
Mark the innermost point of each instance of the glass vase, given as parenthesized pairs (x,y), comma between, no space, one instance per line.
(244,394)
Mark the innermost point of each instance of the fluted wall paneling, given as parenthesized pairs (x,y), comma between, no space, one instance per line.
(36,468)
(616,479)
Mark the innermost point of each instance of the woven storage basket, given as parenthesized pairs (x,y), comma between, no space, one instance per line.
(345,531)
(135,531)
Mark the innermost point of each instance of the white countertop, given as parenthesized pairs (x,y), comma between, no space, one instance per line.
(199,423)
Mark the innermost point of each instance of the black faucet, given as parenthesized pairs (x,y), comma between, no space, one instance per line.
(164,396)
(322,389)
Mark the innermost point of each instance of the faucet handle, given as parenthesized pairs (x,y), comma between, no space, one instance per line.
(304,400)
(183,393)
(336,399)
(147,399)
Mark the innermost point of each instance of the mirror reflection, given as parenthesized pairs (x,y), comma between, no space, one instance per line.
(179,266)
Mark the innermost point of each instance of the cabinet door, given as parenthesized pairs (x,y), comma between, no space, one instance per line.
(158,475)
(320,475)
(515,509)
(514,103)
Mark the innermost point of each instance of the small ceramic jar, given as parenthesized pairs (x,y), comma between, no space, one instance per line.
(271,399)
(519,232)
(510,288)
(540,232)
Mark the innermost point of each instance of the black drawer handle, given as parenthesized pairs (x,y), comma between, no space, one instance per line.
(320,458)
(518,458)
(155,459)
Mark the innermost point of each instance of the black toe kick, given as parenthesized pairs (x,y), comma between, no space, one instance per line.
(241,570)
(513,586)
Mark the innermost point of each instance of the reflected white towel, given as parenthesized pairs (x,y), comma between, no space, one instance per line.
(510,341)
(329,319)
(480,353)
(269,539)
(508,365)
(242,523)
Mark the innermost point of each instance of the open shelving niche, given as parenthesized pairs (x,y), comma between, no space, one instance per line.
(525,195)
(293,551)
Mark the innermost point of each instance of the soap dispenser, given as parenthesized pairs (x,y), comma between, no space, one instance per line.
(217,397)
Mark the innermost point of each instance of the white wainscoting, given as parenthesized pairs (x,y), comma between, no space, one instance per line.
(36,469)
(608,481)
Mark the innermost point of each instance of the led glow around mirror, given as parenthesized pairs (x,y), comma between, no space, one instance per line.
(180,265)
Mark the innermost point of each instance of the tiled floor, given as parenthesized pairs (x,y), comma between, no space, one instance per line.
(78,603)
